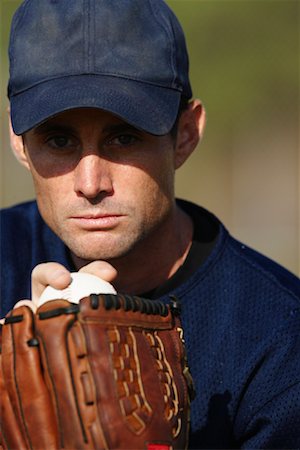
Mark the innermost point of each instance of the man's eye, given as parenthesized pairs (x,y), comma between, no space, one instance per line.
(123,140)
(59,142)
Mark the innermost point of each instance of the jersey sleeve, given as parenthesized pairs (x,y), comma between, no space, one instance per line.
(269,413)
(277,424)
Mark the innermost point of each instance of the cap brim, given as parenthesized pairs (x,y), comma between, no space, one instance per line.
(148,107)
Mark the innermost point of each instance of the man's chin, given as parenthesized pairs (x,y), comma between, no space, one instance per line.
(92,247)
(87,256)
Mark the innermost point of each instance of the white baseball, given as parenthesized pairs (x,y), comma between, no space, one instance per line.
(82,285)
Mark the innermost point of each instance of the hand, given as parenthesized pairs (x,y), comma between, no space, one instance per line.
(56,275)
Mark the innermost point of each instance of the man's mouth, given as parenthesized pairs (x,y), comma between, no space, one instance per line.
(96,222)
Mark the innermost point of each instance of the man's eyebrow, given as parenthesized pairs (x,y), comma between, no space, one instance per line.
(120,128)
(52,126)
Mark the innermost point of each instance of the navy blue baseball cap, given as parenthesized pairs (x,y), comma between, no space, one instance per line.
(127,57)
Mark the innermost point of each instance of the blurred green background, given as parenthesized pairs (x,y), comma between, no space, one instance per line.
(244,66)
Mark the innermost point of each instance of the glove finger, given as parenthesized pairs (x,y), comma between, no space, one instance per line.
(54,319)
(10,435)
(24,382)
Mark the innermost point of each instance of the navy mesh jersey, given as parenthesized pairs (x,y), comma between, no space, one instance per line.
(241,319)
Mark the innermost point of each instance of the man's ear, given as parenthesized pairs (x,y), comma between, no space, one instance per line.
(190,131)
(17,146)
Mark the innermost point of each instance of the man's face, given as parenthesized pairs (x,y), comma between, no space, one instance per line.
(101,185)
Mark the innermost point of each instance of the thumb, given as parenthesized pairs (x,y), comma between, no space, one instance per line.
(48,274)
(101,269)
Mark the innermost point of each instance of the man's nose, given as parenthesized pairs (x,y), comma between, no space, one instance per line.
(93,177)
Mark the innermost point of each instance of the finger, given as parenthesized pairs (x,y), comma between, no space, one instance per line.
(101,269)
(28,303)
(48,274)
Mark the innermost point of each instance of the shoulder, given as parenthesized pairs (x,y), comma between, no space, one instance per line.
(19,223)
(26,241)
(23,212)
(22,226)
(267,272)
(236,265)
(20,209)
(249,290)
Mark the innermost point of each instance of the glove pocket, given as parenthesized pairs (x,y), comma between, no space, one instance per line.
(136,393)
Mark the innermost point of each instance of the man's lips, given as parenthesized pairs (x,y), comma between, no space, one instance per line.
(97,221)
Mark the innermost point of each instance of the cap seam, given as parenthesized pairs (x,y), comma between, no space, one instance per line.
(175,51)
(93,62)
(166,30)
(89,47)
(84,33)
(88,35)
(123,76)
(15,23)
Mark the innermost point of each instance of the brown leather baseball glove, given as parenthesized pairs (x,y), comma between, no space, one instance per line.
(107,373)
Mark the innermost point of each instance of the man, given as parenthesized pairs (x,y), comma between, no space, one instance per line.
(102,117)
